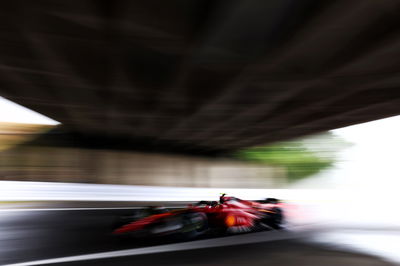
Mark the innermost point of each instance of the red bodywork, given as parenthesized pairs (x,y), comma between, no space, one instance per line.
(233,213)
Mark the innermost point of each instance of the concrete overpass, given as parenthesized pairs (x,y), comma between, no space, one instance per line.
(204,76)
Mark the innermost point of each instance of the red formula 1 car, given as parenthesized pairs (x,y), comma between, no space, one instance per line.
(229,215)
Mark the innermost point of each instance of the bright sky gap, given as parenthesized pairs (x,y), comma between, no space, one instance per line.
(15,113)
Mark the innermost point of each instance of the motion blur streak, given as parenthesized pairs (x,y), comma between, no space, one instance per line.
(152,105)
(42,191)
(383,243)
(320,217)
(220,242)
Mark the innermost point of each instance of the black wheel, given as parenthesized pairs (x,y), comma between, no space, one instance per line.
(271,200)
(194,224)
(272,220)
(276,220)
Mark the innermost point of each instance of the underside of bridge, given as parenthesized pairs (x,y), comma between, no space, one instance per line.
(204,76)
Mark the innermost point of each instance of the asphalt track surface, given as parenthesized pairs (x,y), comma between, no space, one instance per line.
(29,237)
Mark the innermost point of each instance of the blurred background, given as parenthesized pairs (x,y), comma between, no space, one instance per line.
(107,107)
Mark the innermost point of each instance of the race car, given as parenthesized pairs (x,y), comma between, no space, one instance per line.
(228,215)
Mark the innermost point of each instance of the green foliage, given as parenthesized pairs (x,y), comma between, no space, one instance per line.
(300,158)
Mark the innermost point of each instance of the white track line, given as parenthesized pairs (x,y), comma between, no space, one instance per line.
(80,209)
(68,209)
(208,243)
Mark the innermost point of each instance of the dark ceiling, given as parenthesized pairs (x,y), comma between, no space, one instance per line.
(205,75)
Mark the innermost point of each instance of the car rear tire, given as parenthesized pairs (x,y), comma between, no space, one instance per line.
(277,218)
